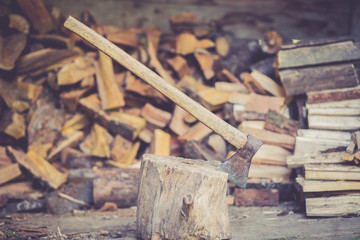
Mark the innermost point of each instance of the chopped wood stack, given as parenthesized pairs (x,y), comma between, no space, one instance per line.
(327,151)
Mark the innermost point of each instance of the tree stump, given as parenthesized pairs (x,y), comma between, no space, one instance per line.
(181,199)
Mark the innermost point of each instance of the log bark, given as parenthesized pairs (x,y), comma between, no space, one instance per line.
(180,199)
(333,95)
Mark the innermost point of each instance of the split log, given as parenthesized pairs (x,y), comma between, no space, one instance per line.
(128,37)
(123,151)
(177,124)
(196,150)
(97,143)
(305,145)
(302,80)
(262,104)
(231,77)
(19,23)
(333,206)
(72,139)
(277,174)
(197,132)
(353,103)
(180,66)
(126,125)
(268,84)
(4,159)
(313,186)
(12,96)
(76,71)
(156,116)
(295,161)
(13,124)
(116,185)
(28,90)
(71,98)
(334,122)
(74,159)
(271,42)
(17,190)
(331,172)
(9,173)
(252,84)
(39,167)
(188,209)
(10,49)
(161,143)
(256,197)
(39,16)
(231,87)
(271,155)
(240,115)
(77,122)
(189,83)
(213,99)
(222,46)
(333,95)
(218,144)
(206,62)
(183,22)
(324,134)
(278,123)
(109,92)
(185,43)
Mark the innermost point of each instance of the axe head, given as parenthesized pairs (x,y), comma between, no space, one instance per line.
(238,165)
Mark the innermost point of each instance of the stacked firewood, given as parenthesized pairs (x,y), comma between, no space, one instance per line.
(327,151)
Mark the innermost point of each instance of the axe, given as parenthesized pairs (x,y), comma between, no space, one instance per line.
(238,165)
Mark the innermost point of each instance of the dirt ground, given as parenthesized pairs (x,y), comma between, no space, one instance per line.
(282,222)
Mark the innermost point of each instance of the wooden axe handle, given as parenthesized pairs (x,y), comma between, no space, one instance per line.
(228,132)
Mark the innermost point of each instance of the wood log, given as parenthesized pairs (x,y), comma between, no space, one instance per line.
(189,83)
(308,186)
(97,143)
(183,22)
(10,49)
(197,132)
(37,13)
(123,151)
(231,87)
(302,80)
(277,174)
(256,197)
(9,173)
(156,116)
(127,37)
(39,167)
(213,99)
(109,92)
(19,23)
(354,103)
(77,122)
(29,90)
(177,124)
(13,124)
(161,143)
(295,161)
(222,46)
(305,145)
(252,84)
(271,42)
(4,159)
(231,77)
(218,144)
(126,125)
(185,43)
(331,172)
(324,134)
(180,66)
(262,104)
(17,190)
(116,185)
(52,40)
(268,84)
(12,96)
(271,155)
(72,139)
(333,111)
(75,159)
(196,150)
(206,62)
(44,60)
(334,122)
(278,123)
(333,95)
(316,55)
(188,209)
(76,71)
(333,206)
(71,98)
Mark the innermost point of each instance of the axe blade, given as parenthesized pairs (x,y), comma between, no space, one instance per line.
(238,165)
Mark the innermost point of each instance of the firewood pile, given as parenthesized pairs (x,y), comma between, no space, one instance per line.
(74,124)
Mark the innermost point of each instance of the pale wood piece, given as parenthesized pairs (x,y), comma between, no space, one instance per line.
(9,173)
(262,104)
(71,139)
(240,98)
(252,84)
(327,186)
(71,98)
(189,83)
(213,99)
(177,124)
(230,133)
(19,23)
(271,155)
(324,134)
(13,124)
(315,55)
(268,84)
(179,64)
(29,90)
(97,143)
(126,125)
(353,103)
(222,46)
(253,124)
(189,119)
(272,138)
(38,14)
(116,185)
(331,172)
(295,161)
(334,111)
(275,173)
(192,207)
(127,37)
(333,206)
(39,167)
(217,143)
(123,151)
(161,144)
(4,159)
(206,62)
(155,116)
(77,122)
(333,95)
(197,132)
(302,80)
(110,94)
(231,87)
(10,50)
(146,135)
(334,122)
(185,21)
(185,43)
(256,197)
(196,150)
(277,122)
(76,71)
(305,145)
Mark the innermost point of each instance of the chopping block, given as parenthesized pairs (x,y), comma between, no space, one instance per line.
(181,199)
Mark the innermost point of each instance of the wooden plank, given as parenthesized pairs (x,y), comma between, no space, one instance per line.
(262,104)
(331,172)
(295,161)
(197,132)
(271,155)
(277,122)
(303,80)
(213,99)
(97,142)
(275,173)
(334,111)
(333,206)
(9,173)
(333,95)
(156,116)
(206,62)
(268,84)
(177,124)
(316,55)
(161,144)
(304,145)
(231,87)
(256,197)
(327,186)
(123,151)
(324,134)
(334,122)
